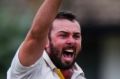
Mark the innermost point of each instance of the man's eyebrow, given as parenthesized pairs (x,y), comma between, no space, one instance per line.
(78,33)
(62,32)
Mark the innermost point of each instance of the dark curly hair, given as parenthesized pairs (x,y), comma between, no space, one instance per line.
(66,15)
(63,15)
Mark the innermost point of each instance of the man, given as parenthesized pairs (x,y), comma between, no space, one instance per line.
(50,48)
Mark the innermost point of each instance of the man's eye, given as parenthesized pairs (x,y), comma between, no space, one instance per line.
(63,35)
(76,36)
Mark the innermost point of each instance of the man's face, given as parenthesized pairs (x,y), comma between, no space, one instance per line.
(65,42)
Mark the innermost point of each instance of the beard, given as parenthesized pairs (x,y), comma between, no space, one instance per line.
(56,55)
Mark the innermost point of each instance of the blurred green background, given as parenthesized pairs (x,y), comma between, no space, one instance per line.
(100,22)
(15,18)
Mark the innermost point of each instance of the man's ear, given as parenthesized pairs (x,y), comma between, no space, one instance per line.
(47,44)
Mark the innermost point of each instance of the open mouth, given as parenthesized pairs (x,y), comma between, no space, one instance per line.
(68,52)
(68,55)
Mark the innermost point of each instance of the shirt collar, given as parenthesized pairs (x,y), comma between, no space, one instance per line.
(78,69)
(48,60)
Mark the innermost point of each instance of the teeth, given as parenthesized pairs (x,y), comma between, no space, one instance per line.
(69,50)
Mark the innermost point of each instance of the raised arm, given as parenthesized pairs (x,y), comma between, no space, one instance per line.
(35,41)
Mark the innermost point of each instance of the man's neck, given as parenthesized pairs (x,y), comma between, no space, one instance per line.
(67,73)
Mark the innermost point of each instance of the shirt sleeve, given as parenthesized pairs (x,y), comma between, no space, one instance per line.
(18,71)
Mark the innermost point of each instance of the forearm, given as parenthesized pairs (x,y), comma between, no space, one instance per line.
(44,17)
(35,41)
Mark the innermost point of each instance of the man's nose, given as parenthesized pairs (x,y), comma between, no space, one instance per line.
(70,40)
